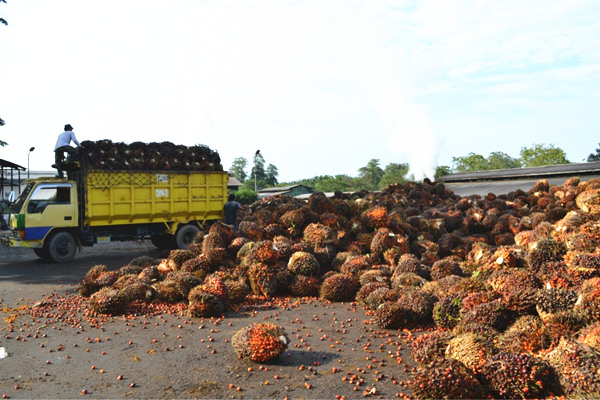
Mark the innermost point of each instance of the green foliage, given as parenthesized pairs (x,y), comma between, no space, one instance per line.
(258,172)
(245,196)
(271,175)
(470,163)
(238,169)
(500,160)
(540,155)
(442,170)
(371,175)
(393,173)
(342,183)
(594,157)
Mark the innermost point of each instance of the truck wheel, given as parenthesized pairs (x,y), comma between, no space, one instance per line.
(42,253)
(185,236)
(162,241)
(61,247)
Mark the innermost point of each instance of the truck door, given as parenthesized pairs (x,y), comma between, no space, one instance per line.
(51,205)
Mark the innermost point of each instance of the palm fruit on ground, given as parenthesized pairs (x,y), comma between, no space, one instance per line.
(204,304)
(339,287)
(107,301)
(260,342)
(446,379)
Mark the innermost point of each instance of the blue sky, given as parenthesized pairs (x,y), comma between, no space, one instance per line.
(320,87)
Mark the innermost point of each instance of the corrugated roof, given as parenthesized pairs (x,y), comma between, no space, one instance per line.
(589,168)
(8,164)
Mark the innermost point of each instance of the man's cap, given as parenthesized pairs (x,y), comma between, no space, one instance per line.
(68,127)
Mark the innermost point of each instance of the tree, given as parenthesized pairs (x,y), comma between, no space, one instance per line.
(442,170)
(371,175)
(540,155)
(271,175)
(339,183)
(2,20)
(238,169)
(393,173)
(594,157)
(500,160)
(245,196)
(470,163)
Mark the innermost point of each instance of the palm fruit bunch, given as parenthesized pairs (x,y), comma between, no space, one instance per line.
(377,274)
(203,303)
(390,315)
(304,263)
(446,267)
(429,346)
(366,289)
(179,256)
(107,301)
(89,285)
(184,281)
(380,296)
(263,279)
(355,266)
(446,311)
(339,287)
(518,375)
(527,334)
(588,301)
(215,285)
(305,286)
(164,156)
(446,379)
(418,305)
(519,291)
(150,274)
(168,291)
(493,314)
(260,342)
(383,240)
(470,349)
(238,290)
(107,278)
(137,291)
(550,300)
(317,234)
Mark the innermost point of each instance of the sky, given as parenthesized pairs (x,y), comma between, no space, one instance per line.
(320,87)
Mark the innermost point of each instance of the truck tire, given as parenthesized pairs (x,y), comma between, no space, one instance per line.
(61,247)
(43,254)
(186,235)
(163,241)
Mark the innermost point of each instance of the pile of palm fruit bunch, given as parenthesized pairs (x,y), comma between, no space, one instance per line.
(139,156)
(507,287)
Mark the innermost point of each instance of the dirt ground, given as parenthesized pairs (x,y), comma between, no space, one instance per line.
(54,350)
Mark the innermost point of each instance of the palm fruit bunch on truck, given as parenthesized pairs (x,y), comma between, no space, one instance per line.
(138,156)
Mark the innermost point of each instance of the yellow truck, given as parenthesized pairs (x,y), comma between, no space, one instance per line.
(55,217)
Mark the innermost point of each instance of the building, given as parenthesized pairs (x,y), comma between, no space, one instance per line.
(294,190)
(11,177)
(234,184)
(503,181)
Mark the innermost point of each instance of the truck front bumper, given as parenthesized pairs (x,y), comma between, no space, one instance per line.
(8,238)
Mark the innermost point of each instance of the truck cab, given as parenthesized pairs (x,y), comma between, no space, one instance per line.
(45,219)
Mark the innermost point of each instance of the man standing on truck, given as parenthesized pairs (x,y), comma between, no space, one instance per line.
(63,145)
(231,208)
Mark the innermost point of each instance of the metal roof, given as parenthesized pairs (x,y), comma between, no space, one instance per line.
(8,164)
(562,170)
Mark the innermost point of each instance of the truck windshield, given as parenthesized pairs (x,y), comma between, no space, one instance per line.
(18,204)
